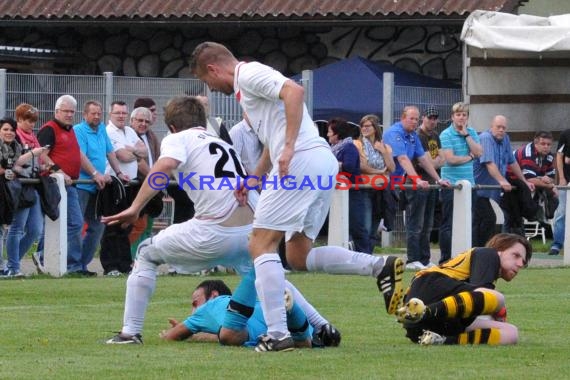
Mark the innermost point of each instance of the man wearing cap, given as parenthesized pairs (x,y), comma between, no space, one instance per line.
(421,204)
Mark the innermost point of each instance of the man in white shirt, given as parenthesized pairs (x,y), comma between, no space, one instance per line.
(293,147)
(246,144)
(128,147)
(115,254)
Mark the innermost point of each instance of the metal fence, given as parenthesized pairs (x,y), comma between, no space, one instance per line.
(422,97)
(42,91)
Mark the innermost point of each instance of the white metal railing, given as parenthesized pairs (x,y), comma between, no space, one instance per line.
(462,225)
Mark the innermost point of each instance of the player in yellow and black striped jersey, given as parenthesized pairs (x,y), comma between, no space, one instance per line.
(443,303)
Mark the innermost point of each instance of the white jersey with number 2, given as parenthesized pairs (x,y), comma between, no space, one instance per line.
(208,171)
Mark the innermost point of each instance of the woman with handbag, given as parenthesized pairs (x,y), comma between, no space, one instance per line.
(21,156)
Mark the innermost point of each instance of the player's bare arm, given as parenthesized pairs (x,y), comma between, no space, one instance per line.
(145,194)
(263,167)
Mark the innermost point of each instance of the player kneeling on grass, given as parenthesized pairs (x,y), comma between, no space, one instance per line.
(210,302)
(443,303)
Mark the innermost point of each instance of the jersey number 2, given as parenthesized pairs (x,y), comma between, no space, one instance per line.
(219,171)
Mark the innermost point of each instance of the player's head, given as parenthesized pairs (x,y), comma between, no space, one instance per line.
(214,64)
(207,290)
(514,252)
(184,112)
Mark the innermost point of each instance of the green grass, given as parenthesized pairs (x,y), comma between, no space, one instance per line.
(55,328)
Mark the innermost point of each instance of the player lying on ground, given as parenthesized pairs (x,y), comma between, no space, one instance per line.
(443,303)
(209,303)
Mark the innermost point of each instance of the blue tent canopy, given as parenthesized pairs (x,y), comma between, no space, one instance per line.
(353,87)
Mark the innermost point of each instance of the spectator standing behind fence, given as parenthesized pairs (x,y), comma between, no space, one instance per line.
(422,203)
(246,144)
(460,146)
(342,145)
(97,149)
(145,108)
(115,251)
(65,157)
(491,169)
(375,159)
(407,147)
(537,165)
(563,169)
(215,125)
(28,223)
(12,162)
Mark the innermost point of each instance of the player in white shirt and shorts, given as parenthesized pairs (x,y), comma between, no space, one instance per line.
(279,117)
(208,169)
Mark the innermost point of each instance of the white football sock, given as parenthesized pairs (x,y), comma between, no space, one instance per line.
(140,287)
(315,319)
(338,260)
(270,286)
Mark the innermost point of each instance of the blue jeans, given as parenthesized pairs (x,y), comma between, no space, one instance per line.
(419,222)
(484,221)
(369,204)
(559,221)
(26,228)
(356,222)
(94,227)
(445,228)
(74,228)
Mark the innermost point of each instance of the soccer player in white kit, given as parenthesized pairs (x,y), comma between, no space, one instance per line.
(275,107)
(205,166)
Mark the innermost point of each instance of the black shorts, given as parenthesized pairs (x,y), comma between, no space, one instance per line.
(431,288)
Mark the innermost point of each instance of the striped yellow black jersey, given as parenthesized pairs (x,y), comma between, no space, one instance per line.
(477,266)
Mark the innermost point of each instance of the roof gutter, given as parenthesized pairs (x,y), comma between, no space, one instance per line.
(158,22)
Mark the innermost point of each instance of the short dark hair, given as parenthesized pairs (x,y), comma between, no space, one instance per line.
(184,112)
(543,135)
(210,286)
(10,121)
(144,102)
(340,127)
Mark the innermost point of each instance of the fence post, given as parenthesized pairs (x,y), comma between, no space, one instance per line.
(338,219)
(55,235)
(3,92)
(461,230)
(387,120)
(307,78)
(566,247)
(108,92)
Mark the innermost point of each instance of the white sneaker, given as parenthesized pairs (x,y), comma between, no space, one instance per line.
(429,338)
(415,265)
(36,258)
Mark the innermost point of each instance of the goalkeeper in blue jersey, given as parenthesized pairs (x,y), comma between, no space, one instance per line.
(212,313)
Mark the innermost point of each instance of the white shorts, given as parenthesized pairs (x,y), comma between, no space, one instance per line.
(299,208)
(196,245)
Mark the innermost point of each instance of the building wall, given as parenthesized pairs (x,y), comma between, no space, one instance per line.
(545,8)
(163,52)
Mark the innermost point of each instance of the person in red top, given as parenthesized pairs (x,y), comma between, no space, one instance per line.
(65,157)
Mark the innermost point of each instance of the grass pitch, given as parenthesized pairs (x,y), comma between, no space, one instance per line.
(56,328)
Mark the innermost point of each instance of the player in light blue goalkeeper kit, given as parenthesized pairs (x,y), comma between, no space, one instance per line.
(210,306)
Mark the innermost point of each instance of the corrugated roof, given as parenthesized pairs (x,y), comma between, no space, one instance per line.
(238,9)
